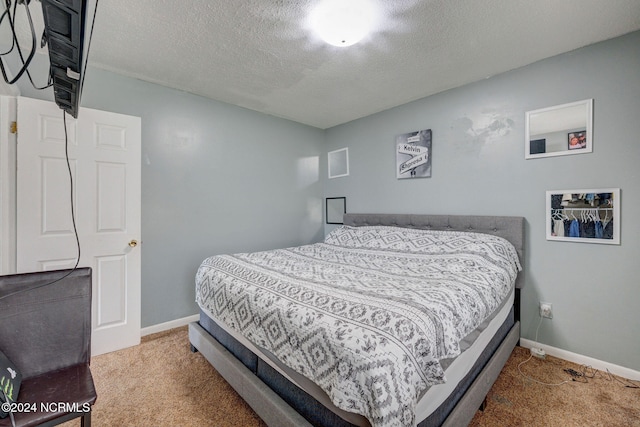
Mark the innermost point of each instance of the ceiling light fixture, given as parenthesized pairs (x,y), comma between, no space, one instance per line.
(343,22)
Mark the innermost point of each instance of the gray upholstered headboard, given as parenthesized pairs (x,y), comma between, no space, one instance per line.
(507,227)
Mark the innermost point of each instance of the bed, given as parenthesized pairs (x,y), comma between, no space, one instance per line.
(311,365)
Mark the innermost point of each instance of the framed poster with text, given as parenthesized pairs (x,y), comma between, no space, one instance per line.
(413,155)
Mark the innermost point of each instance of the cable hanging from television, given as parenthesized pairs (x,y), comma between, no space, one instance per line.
(15,44)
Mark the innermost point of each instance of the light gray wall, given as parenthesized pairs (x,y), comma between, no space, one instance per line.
(479,168)
(215,179)
(197,200)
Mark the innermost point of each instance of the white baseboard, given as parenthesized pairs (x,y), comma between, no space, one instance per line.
(161,327)
(583,360)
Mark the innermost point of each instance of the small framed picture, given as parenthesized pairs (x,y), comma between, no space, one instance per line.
(585,215)
(413,155)
(338,163)
(577,140)
(336,207)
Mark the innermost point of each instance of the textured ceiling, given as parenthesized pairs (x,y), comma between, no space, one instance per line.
(261,55)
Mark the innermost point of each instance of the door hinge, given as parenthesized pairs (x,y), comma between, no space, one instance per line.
(14,127)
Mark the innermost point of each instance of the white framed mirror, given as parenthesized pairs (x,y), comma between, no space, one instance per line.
(585,215)
(338,163)
(559,130)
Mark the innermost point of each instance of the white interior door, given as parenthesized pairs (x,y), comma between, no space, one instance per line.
(104,153)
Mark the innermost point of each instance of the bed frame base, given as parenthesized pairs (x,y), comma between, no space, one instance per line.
(276,412)
(265,402)
(476,394)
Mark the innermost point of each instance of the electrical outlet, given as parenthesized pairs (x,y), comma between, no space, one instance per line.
(538,352)
(546,310)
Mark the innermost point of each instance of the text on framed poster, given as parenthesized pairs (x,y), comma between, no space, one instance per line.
(413,155)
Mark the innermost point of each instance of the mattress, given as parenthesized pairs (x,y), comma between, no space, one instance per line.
(457,369)
(372,316)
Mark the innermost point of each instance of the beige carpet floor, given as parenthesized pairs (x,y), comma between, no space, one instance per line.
(161,383)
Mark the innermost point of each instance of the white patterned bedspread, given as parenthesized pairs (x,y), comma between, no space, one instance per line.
(368,314)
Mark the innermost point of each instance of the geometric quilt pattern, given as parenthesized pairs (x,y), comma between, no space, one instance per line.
(367,315)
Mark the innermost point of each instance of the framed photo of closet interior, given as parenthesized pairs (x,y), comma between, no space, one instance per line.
(585,216)
(413,155)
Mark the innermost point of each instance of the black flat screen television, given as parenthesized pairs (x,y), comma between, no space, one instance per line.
(68,25)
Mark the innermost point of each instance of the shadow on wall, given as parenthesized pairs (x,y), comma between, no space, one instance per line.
(471,137)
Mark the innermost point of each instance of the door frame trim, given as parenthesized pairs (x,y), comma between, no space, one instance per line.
(8,176)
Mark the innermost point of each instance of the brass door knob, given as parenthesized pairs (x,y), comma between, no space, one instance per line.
(133,243)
